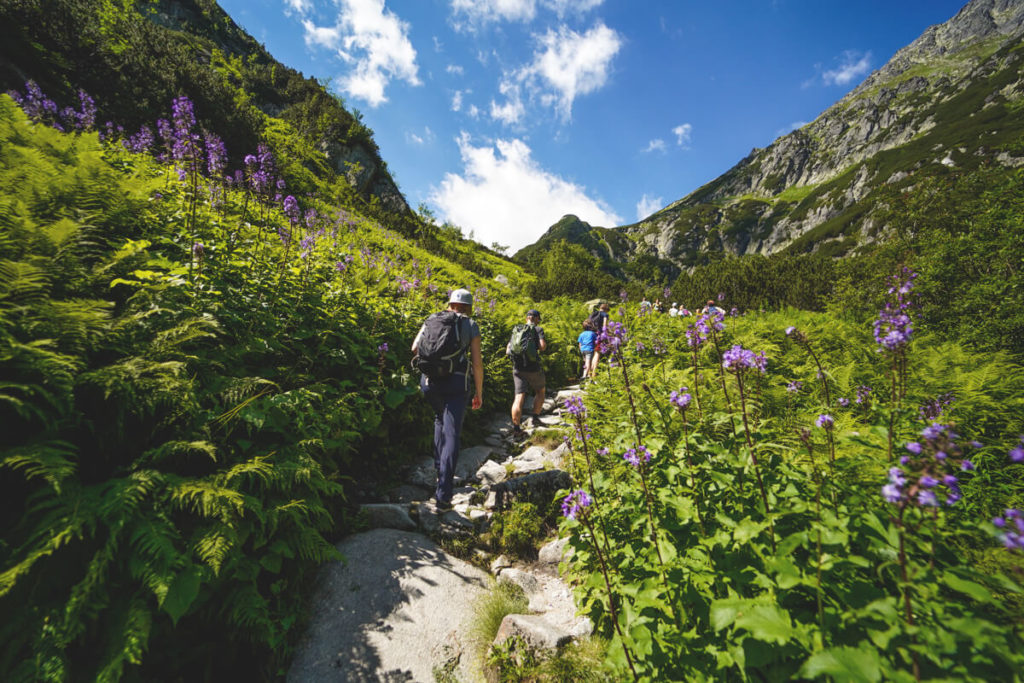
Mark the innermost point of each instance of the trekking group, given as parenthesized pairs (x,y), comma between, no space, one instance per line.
(446,351)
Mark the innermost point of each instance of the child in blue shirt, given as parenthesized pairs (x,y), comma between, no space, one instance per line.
(587,340)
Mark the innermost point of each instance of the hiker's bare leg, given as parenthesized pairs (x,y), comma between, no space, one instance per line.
(517,409)
(538,402)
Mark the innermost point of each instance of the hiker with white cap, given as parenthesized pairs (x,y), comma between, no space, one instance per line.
(440,354)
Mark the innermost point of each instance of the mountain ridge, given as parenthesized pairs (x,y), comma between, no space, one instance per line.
(933,106)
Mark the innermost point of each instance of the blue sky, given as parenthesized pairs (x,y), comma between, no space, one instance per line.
(502,116)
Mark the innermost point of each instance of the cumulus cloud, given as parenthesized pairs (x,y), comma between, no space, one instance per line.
(504,196)
(455,70)
(373,41)
(655,145)
(682,133)
(457,100)
(513,110)
(647,205)
(300,6)
(565,65)
(470,14)
(853,66)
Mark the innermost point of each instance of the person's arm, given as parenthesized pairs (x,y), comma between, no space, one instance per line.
(541,342)
(478,372)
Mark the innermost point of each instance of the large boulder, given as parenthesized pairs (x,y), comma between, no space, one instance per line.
(394,611)
(388,516)
(534,630)
(470,460)
(537,488)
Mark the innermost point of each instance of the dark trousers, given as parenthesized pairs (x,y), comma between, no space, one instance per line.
(448,397)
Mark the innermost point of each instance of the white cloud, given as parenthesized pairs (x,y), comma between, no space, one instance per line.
(647,205)
(565,65)
(457,100)
(504,196)
(513,110)
(374,41)
(564,7)
(853,66)
(682,133)
(790,128)
(479,12)
(655,145)
(417,139)
(300,6)
(455,70)
(473,111)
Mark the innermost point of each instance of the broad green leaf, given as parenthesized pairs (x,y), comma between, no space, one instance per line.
(844,664)
(969,588)
(767,622)
(181,594)
(747,529)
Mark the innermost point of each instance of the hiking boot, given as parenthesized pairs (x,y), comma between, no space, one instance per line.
(442,506)
(519,434)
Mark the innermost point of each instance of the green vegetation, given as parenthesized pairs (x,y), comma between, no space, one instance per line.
(193,376)
(740,516)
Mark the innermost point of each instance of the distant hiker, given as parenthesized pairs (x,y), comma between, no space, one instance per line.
(711,309)
(600,316)
(645,306)
(674,311)
(440,351)
(524,348)
(587,341)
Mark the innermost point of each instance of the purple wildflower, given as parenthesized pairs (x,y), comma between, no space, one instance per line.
(383,348)
(843,402)
(1012,537)
(574,406)
(680,399)
(794,386)
(825,421)
(575,503)
(636,456)
(738,359)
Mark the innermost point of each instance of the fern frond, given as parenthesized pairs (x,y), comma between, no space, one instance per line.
(22,283)
(207,499)
(259,469)
(215,545)
(90,595)
(156,557)
(175,450)
(51,461)
(132,637)
(171,341)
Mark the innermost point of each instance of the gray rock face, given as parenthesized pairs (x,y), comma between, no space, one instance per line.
(470,460)
(389,516)
(492,473)
(534,630)
(537,488)
(549,556)
(392,612)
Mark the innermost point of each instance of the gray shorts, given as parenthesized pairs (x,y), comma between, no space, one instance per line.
(524,381)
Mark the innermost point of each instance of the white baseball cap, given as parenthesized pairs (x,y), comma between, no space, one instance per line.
(461,296)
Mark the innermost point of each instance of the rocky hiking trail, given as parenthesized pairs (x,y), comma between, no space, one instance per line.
(399,607)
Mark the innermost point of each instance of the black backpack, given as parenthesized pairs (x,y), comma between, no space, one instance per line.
(441,351)
(597,320)
(524,345)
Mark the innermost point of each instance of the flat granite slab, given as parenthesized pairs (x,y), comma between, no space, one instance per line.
(396,609)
